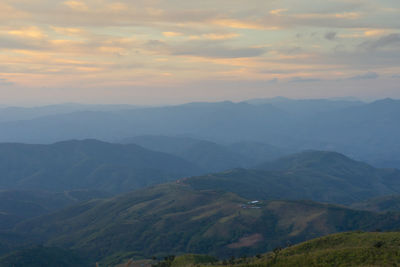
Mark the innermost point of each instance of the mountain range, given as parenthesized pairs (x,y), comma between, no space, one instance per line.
(224,179)
(17,206)
(315,175)
(365,131)
(87,164)
(209,155)
(236,212)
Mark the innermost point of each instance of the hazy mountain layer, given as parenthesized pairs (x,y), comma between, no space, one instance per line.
(87,164)
(27,113)
(210,155)
(16,206)
(366,131)
(315,175)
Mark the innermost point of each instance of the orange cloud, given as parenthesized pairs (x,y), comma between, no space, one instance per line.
(67,31)
(7,12)
(348,15)
(172,34)
(113,50)
(80,6)
(29,32)
(374,32)
(278,12)
(345,15)
(117,7)
(214,36)
(238,24)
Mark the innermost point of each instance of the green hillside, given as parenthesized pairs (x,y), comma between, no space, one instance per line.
(192,259)
(315,175)
(233,213)
(16,206)
(380,204)
(87,164)
(348,249)
(345,249)
(174,219)
(39,256)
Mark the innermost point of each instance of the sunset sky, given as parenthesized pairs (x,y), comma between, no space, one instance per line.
(169,51)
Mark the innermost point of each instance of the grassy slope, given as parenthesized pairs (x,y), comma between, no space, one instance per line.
(319,176)
(345,249)
(380,204)
(173,219)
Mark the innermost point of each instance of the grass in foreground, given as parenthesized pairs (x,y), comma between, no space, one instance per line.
(344,249)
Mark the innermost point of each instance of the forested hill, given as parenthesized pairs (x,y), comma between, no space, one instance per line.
(87,164)
(314,175)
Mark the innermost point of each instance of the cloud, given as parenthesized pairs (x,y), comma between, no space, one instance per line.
(348,15)
(28,32)
(330,35)
(242,24)
(303,80)
(278,12)
(172,34)
(8,14)
(215,50)
(5,82)
(68,31)
(214,36)
(365,76)
(374,32)
(391,40)
(206,48)
(273,81)
(76,5)
(156,45)
(13,42)
(62,42)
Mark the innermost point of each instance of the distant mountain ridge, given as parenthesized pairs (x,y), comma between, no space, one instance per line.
(17,206)
(366,131)
(10,113)
(209,155)
(317,175)
(87,164)
(306,107)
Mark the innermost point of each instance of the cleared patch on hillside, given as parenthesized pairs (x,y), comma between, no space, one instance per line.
(247,241)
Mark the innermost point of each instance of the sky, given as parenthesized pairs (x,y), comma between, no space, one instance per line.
(169,51)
